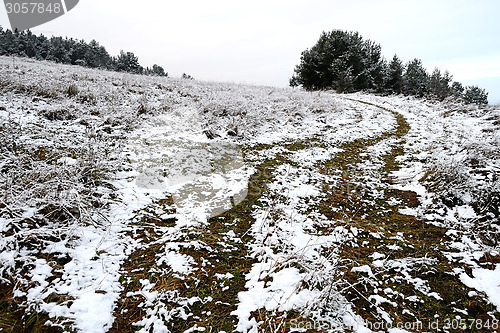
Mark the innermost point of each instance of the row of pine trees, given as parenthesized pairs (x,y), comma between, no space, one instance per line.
(343,61)
(71,51)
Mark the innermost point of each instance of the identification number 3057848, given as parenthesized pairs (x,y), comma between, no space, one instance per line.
(33,7)
(478,324)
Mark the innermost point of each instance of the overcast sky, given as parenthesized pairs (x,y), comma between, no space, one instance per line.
(260,42)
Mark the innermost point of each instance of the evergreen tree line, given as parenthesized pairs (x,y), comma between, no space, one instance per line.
(344,62)
(71,51)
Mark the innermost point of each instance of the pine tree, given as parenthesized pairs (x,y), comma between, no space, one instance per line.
(475,95)
(446,81)
(342,61)
(21,44)
(43,46)
(31,45)
(457,90)
(2,42)
(128,62)
(416,79)
(308,73)
(10,44)
(96,56)
(78,50)
(394,76)
(158,70)
(344,78)
(372,73)
(58,51)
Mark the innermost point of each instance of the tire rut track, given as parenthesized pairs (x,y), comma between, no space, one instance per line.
(414,281)
(219,250)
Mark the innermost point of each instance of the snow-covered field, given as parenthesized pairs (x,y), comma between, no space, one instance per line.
(166,205)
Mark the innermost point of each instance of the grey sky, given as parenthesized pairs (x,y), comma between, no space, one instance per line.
(260,42)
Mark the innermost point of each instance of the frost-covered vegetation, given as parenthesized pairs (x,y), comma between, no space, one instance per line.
(136,203)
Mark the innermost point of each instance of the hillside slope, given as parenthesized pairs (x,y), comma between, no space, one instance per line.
(131,203)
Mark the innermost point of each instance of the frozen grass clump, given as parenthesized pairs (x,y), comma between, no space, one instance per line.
(465,176)
(53,179)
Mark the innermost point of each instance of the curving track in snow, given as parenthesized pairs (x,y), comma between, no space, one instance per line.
(188,206)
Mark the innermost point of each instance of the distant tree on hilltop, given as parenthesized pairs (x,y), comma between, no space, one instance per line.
(416,79)
(440,84)
(394,76)
(342,61)
(457,89)
(475,95)
(156,71)
(127,62)
(96,55)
